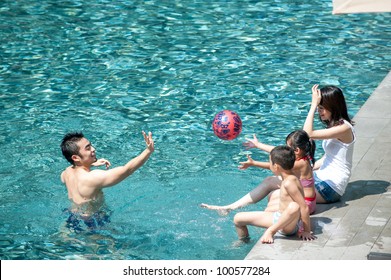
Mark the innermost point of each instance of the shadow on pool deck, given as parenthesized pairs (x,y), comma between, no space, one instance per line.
(359,226)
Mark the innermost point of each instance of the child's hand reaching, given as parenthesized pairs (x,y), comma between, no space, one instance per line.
(252,143)
(246,164)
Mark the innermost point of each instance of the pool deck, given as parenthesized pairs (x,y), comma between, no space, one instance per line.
(359,226)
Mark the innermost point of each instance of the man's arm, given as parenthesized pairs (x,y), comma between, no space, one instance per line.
(108,178)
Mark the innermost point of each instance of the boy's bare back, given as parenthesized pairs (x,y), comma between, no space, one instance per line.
(291,190)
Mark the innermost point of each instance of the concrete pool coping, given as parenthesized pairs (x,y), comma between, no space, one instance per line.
(359,226)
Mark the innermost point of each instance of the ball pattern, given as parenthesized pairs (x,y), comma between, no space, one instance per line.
(227,125)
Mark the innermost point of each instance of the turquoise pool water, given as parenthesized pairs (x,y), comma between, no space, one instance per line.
(114,68)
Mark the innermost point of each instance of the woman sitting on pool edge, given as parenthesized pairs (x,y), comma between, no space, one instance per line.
(332,172)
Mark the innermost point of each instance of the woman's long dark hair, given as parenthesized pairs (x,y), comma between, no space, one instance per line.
(333,101)
(300,139)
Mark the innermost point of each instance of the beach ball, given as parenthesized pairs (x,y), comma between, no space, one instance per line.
(227,125)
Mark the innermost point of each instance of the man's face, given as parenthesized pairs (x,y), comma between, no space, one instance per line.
(87,154)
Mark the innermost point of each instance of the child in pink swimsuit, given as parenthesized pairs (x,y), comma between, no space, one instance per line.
(304,149)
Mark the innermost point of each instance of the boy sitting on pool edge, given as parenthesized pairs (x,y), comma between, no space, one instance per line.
(293,211)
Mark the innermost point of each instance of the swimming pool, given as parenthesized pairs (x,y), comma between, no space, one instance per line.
(114,69)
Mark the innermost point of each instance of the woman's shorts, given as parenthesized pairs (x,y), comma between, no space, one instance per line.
(326,191)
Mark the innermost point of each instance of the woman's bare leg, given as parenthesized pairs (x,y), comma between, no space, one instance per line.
(260,192)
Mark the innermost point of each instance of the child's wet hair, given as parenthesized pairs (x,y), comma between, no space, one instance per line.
(300,139)
(283,156)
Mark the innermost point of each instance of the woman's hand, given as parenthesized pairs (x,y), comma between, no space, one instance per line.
(316,95)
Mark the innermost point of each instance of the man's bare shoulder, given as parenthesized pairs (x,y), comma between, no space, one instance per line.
(96,172)
(65,173)
(68,169)
(76,174)
(93,178)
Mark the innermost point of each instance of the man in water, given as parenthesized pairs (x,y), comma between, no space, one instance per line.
(85,185)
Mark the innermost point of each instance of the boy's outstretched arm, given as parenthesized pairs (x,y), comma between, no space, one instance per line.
(250,162)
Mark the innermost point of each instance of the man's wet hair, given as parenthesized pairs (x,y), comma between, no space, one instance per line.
(69,145)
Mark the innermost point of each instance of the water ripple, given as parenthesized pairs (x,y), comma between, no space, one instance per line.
(114,69)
